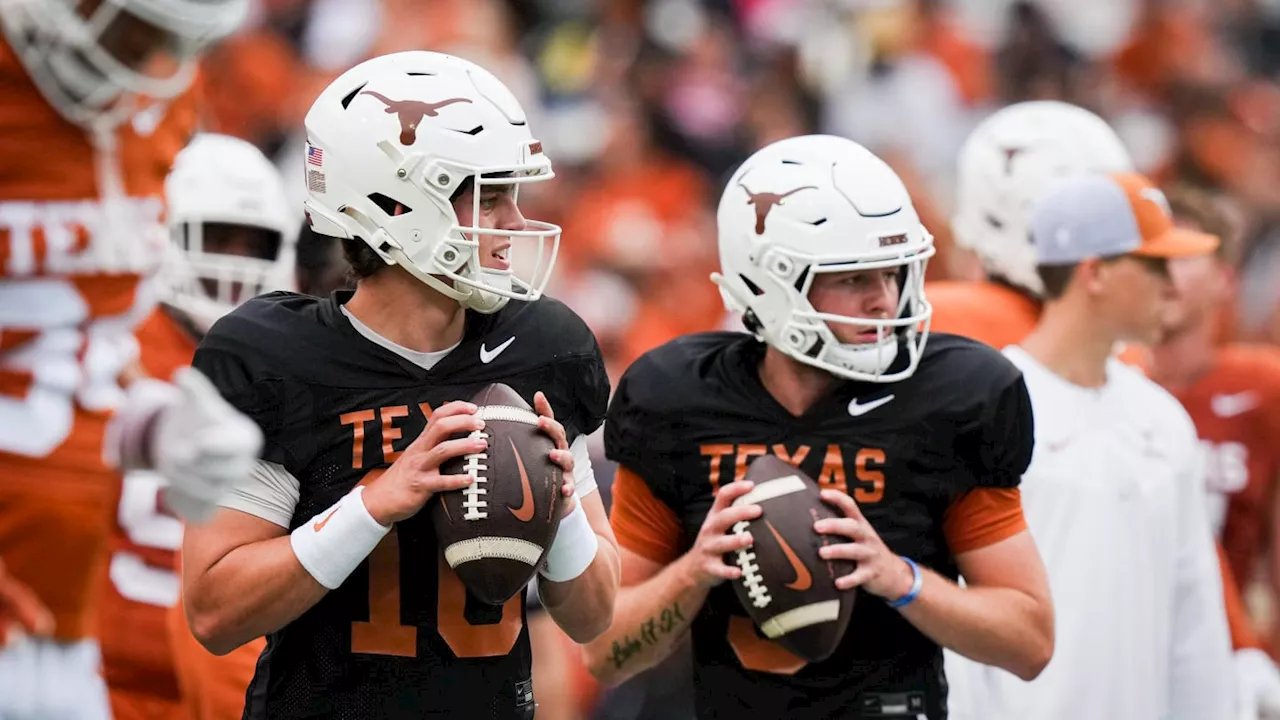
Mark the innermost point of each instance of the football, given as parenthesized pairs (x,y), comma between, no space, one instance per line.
(496,532)
(786,587)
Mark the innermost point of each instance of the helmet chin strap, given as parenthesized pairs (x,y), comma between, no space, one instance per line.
(870,358)
(475,298)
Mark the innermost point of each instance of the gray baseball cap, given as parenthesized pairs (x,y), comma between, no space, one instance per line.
(1087,216)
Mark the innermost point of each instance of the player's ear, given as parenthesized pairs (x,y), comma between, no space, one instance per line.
(1092,274)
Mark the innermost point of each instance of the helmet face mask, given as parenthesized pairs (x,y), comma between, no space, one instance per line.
(1008,162)
(391,143)
(92,67)
(234,236)
(816,205)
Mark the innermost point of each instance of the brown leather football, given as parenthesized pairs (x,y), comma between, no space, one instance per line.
(786,587)
(496,532)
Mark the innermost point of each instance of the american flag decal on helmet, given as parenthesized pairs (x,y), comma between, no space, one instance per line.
(315,156)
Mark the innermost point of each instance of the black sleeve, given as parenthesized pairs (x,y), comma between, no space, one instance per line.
(280,407)
(998,443)
(584,393)
(631,436)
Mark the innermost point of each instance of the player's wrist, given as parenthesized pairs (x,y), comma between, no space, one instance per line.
(332,544)
(574,548)
(909,585)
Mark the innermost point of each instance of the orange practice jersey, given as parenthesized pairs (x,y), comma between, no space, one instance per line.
(1000,316)
(985,311)
(143,578)
(73,285)
(1236,409)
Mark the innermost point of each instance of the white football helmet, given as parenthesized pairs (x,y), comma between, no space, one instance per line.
(392,140)
(822,204)
(223,180)
(1007,164)
(85,65)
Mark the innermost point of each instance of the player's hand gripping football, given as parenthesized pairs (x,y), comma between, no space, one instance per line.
(880,571)
(201,445)
(561,455)
(705,560)
(401,491)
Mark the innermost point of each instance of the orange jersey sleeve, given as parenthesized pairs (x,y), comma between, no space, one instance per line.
(984,311)
(642,523)
(983,517)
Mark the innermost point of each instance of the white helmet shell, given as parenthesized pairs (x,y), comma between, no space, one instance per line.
(1007,164)
(822,204)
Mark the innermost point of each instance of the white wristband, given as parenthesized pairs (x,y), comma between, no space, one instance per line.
(573,549)
(334,542)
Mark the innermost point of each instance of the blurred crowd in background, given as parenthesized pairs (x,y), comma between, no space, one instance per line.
(646,106)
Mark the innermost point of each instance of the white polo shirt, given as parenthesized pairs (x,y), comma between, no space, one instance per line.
(1115,501)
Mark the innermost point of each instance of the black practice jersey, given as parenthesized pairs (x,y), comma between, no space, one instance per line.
(688,417)
(401,638)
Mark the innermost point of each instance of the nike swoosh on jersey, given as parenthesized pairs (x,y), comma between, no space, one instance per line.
(524,513)
(1226,406)
(487,356)
(856,409)
(804,580)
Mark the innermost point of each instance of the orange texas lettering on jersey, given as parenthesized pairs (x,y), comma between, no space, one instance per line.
(865,468)
(386,422)
(74,266)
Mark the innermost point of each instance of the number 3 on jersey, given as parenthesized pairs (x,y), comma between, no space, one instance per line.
(386,634)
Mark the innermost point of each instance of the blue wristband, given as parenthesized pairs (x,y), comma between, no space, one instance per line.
(917,580)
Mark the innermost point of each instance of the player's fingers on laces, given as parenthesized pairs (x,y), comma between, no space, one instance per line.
(567,487)
(444,428)
(720,522)
(732,542)
(454,408)
(843,502)
(731,492)
(717,567)
(448,449)
(445,483)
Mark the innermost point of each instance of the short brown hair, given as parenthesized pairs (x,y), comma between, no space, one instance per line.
(1208,212)
(1055,279)
(361,258)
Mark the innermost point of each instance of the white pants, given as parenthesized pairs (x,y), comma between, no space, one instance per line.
(43,680)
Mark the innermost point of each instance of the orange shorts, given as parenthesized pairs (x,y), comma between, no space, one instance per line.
(213,686)
(55,529)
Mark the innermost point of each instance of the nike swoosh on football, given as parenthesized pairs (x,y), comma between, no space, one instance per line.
(524,513)
(319,524)
(804,580)
(487,356)
(856,409)
(1232,405)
